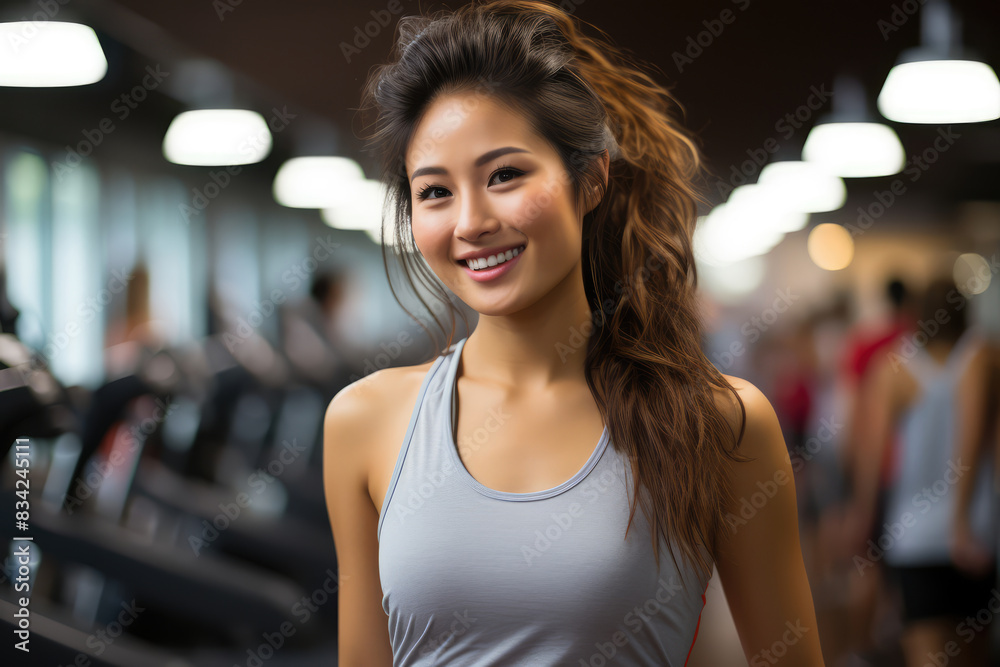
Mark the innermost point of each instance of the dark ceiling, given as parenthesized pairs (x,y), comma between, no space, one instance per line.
(765,63)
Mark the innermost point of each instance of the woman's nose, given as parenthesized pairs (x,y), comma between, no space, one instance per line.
(475,218)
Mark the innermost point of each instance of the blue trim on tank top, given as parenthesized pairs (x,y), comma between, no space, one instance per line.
(464,473)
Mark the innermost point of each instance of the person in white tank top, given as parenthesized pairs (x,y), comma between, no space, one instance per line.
(936,529)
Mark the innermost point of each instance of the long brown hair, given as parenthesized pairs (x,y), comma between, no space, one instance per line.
(644,363)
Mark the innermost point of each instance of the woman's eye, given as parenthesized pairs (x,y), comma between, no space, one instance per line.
(505,175)
(433,189)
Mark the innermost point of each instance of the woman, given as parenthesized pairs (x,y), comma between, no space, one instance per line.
(485,500)
(936,528)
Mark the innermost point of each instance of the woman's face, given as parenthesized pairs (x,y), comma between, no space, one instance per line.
(484,183)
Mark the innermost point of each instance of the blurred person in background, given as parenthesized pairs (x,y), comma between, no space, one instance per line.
(310,340)
(868,343)
(968,551)
(505,130)
(133,334)
(817,461)
(928,396)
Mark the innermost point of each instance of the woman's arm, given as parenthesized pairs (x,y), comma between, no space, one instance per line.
(759,558)
(362,634)
(970,424)
(884,400)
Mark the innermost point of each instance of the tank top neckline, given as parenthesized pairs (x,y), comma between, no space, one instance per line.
(956,360)
(450,393)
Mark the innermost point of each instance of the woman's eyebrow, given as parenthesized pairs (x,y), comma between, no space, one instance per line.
(480,161)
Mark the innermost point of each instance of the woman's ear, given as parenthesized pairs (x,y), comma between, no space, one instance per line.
(594,197)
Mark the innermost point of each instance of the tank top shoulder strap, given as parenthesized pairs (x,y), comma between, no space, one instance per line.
(926,369)
(426,411)
(962,354)
(918,363)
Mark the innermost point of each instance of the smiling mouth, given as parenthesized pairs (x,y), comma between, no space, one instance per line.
(480,263)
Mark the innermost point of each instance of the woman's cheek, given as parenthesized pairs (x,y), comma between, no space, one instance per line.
(427,241)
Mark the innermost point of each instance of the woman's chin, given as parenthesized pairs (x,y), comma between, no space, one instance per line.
(492,307)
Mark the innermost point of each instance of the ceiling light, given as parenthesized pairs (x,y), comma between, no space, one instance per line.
(804,186)
(39,54)
(316,182)
(939,82)
(941,91)
(363,210)
(855,150)
(765,209)
(849,142)
(733,282)
(217,138)
(726,236)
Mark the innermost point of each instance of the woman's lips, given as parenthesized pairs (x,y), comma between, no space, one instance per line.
(493,272)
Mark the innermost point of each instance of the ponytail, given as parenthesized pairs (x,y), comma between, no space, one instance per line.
(645,365)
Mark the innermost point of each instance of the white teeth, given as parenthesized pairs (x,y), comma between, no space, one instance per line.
(480,263)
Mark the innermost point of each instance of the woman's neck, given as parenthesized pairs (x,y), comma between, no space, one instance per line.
(536,347)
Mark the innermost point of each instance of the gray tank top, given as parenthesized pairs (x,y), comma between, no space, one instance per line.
(472,576)
(921,500)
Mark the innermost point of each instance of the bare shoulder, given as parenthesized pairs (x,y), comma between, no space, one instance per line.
(360,406)
(375,392)
(363,417)
(761,429)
